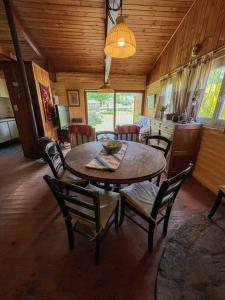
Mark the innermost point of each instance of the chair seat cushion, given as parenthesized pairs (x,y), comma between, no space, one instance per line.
(68,177)
(108,203)
(141,196)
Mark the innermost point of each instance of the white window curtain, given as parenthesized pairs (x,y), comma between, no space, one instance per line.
(180,91)
(166,95)
(199,73)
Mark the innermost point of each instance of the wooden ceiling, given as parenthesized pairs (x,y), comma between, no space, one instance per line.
(71,33)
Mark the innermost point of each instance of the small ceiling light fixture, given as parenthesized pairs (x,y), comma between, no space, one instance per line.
(120,41)
(105,88)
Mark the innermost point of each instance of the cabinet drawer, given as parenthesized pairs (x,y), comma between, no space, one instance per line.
(13,129)
(4,132)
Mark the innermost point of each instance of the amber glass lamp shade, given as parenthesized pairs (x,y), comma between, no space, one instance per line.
(120,41)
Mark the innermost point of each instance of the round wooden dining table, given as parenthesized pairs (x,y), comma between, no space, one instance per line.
(140,162)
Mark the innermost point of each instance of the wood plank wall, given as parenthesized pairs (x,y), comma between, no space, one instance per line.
(210,165)
(205,24)
(92,81)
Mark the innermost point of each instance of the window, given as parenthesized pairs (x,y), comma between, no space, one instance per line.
(106,110)
(168,98)
(212,108)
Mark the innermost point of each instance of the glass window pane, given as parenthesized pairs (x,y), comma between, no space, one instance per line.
(212,91)
(128,107)
(168,98)
(100,110)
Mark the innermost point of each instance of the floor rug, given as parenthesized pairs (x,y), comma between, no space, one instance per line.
(193,263)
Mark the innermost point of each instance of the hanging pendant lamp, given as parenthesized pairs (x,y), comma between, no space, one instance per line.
(105,88)
(120,41)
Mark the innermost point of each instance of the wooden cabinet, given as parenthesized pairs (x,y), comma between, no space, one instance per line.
(3,89)
(13,129)
(185,143)
(4,132)
(8,130)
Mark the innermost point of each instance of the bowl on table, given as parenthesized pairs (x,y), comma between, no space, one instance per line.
(111,146)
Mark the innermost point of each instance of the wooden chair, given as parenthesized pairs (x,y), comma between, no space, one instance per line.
(219,198)
(80,134)
(106,135)
(90,208)
(128,132)
(53,155)
(148,201)
(160,143)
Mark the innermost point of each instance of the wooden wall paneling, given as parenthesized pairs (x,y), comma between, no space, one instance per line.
(20,109)
(89,81)
(41,76)
(210,165)
(204,24)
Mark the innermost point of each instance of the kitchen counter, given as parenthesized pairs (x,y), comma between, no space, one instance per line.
(7,119)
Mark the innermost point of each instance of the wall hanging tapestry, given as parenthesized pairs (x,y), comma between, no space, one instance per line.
(46,99)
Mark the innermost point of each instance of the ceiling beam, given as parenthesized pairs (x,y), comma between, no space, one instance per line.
(27,36)
(108,27)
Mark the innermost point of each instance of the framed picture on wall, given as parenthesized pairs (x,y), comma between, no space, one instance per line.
(151,101)
(73,97)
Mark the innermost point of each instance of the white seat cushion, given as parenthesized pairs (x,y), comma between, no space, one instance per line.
(68,177)
(108,202)
(141,196)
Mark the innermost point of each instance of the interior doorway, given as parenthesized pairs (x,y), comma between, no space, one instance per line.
(9,135)
(106,110)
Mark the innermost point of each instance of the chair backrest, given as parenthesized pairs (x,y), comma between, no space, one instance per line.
(169,189)
(128,132)
(159,142)
(83,204)
(101,135)
(53,155)
(80,134)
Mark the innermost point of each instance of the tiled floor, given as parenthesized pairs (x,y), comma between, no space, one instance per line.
(35,260)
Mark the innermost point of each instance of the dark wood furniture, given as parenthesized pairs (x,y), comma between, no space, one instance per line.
(148,201)
(52,154)
(160,143)
(106,135)
(219,198)
(140,162)
(92,208)
(185,140)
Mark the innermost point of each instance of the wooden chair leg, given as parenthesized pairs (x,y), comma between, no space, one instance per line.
(116,215)
(69,228)
(122,210)
(97,249)
(166,220)
(158,180)
(151,236)
(216,204)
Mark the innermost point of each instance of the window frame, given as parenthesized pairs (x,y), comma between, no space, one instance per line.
(219,103)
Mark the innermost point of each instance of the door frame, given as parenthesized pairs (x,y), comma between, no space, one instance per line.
(114,99)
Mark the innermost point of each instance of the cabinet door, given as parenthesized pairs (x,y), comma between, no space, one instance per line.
(3,89)
(13,129)
(4,132)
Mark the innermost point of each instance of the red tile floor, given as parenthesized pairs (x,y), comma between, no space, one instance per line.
(35,261)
